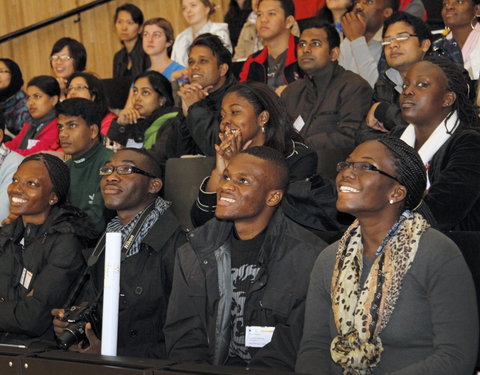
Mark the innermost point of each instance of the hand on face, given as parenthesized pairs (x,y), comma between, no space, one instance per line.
(372,121)
(128,116)
(354,25)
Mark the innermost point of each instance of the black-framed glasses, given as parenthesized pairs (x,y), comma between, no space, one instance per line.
(400,37)
(362,166)
(123,170)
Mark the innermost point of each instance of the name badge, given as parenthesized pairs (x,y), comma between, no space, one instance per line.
(26,278)
(258,337)
(132,143)
(31,143)
(299,123)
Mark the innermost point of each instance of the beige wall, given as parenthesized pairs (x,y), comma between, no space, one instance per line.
(94,29)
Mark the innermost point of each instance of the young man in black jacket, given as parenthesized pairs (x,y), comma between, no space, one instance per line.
(244,273)
(129,186)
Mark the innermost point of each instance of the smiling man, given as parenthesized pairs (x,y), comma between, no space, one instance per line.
(329,103)
(209,63)
(130,186)
(79,136)
(243,274)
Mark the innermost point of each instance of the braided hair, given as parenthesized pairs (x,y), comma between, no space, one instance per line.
(458,82)
(58,173)
(409,168)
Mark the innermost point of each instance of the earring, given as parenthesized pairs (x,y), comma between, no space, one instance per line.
(391,201)
(263,129)
(472,25)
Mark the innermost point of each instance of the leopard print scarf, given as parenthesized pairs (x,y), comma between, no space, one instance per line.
(361,313)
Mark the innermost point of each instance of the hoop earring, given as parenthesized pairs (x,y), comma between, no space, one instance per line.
(472,25)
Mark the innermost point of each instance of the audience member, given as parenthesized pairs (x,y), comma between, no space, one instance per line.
(361,48)
(406,40)
(252,115)
(131,60)
(87,86)
(197,13)
(329,103)
(197,125)
(13,102)
(276,64)
(141,125)
(393,295)
(242,272)
(443,128)
(67,57)
(41,134)
(79,135)
(9,162)
(41,249)
(462,43)
(130,186)
(158,39)
(236,16)
(307,8)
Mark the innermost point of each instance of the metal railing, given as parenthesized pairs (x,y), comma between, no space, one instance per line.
(49,21)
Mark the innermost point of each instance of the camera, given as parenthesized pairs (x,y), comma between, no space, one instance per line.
(77,317)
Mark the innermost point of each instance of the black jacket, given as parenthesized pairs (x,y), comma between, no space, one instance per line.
(197,133)
(140,61)
(145,284)
(52,254)
(332,103)
(198,321)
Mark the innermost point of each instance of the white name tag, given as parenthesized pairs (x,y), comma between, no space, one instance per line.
(31,143)
(26,278)
(132,143)
(299,123)
(258,337)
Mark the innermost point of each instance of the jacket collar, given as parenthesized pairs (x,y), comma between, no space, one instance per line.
(162,230)
(291,52)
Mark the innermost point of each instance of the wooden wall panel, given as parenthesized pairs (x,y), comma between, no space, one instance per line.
(93,28)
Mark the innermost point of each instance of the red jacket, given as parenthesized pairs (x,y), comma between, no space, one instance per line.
(47,139)
(256,66)
(307,8)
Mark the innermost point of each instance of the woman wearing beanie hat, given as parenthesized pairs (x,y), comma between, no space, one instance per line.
(40,251)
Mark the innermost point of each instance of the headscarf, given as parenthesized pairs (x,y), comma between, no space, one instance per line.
(16,80)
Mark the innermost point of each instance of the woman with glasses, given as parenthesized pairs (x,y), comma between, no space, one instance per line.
(67,57)
(40,250)
(149,118)
(41,133)
(462,39)
(87,86)
(13,102)
(392,295)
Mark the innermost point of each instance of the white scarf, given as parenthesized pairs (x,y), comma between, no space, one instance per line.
(440,135)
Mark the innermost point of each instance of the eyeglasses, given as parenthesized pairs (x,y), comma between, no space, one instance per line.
(156,35)
(4,71)
(362,166)
(62,58)
(123,170)
(400,37)
(77,88)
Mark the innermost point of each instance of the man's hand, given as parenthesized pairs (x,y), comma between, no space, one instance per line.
(354,25)
(191,94)
(58,324)
(9,219)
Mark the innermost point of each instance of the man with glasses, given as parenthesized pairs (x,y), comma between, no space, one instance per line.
(130,186)
(329,103)
(361,48)
(79,135)
(406,40)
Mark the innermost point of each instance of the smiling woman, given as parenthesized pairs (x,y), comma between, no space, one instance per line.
(40,253)
(388,260)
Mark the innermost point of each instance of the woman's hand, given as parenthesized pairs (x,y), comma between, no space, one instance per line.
(128,116)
